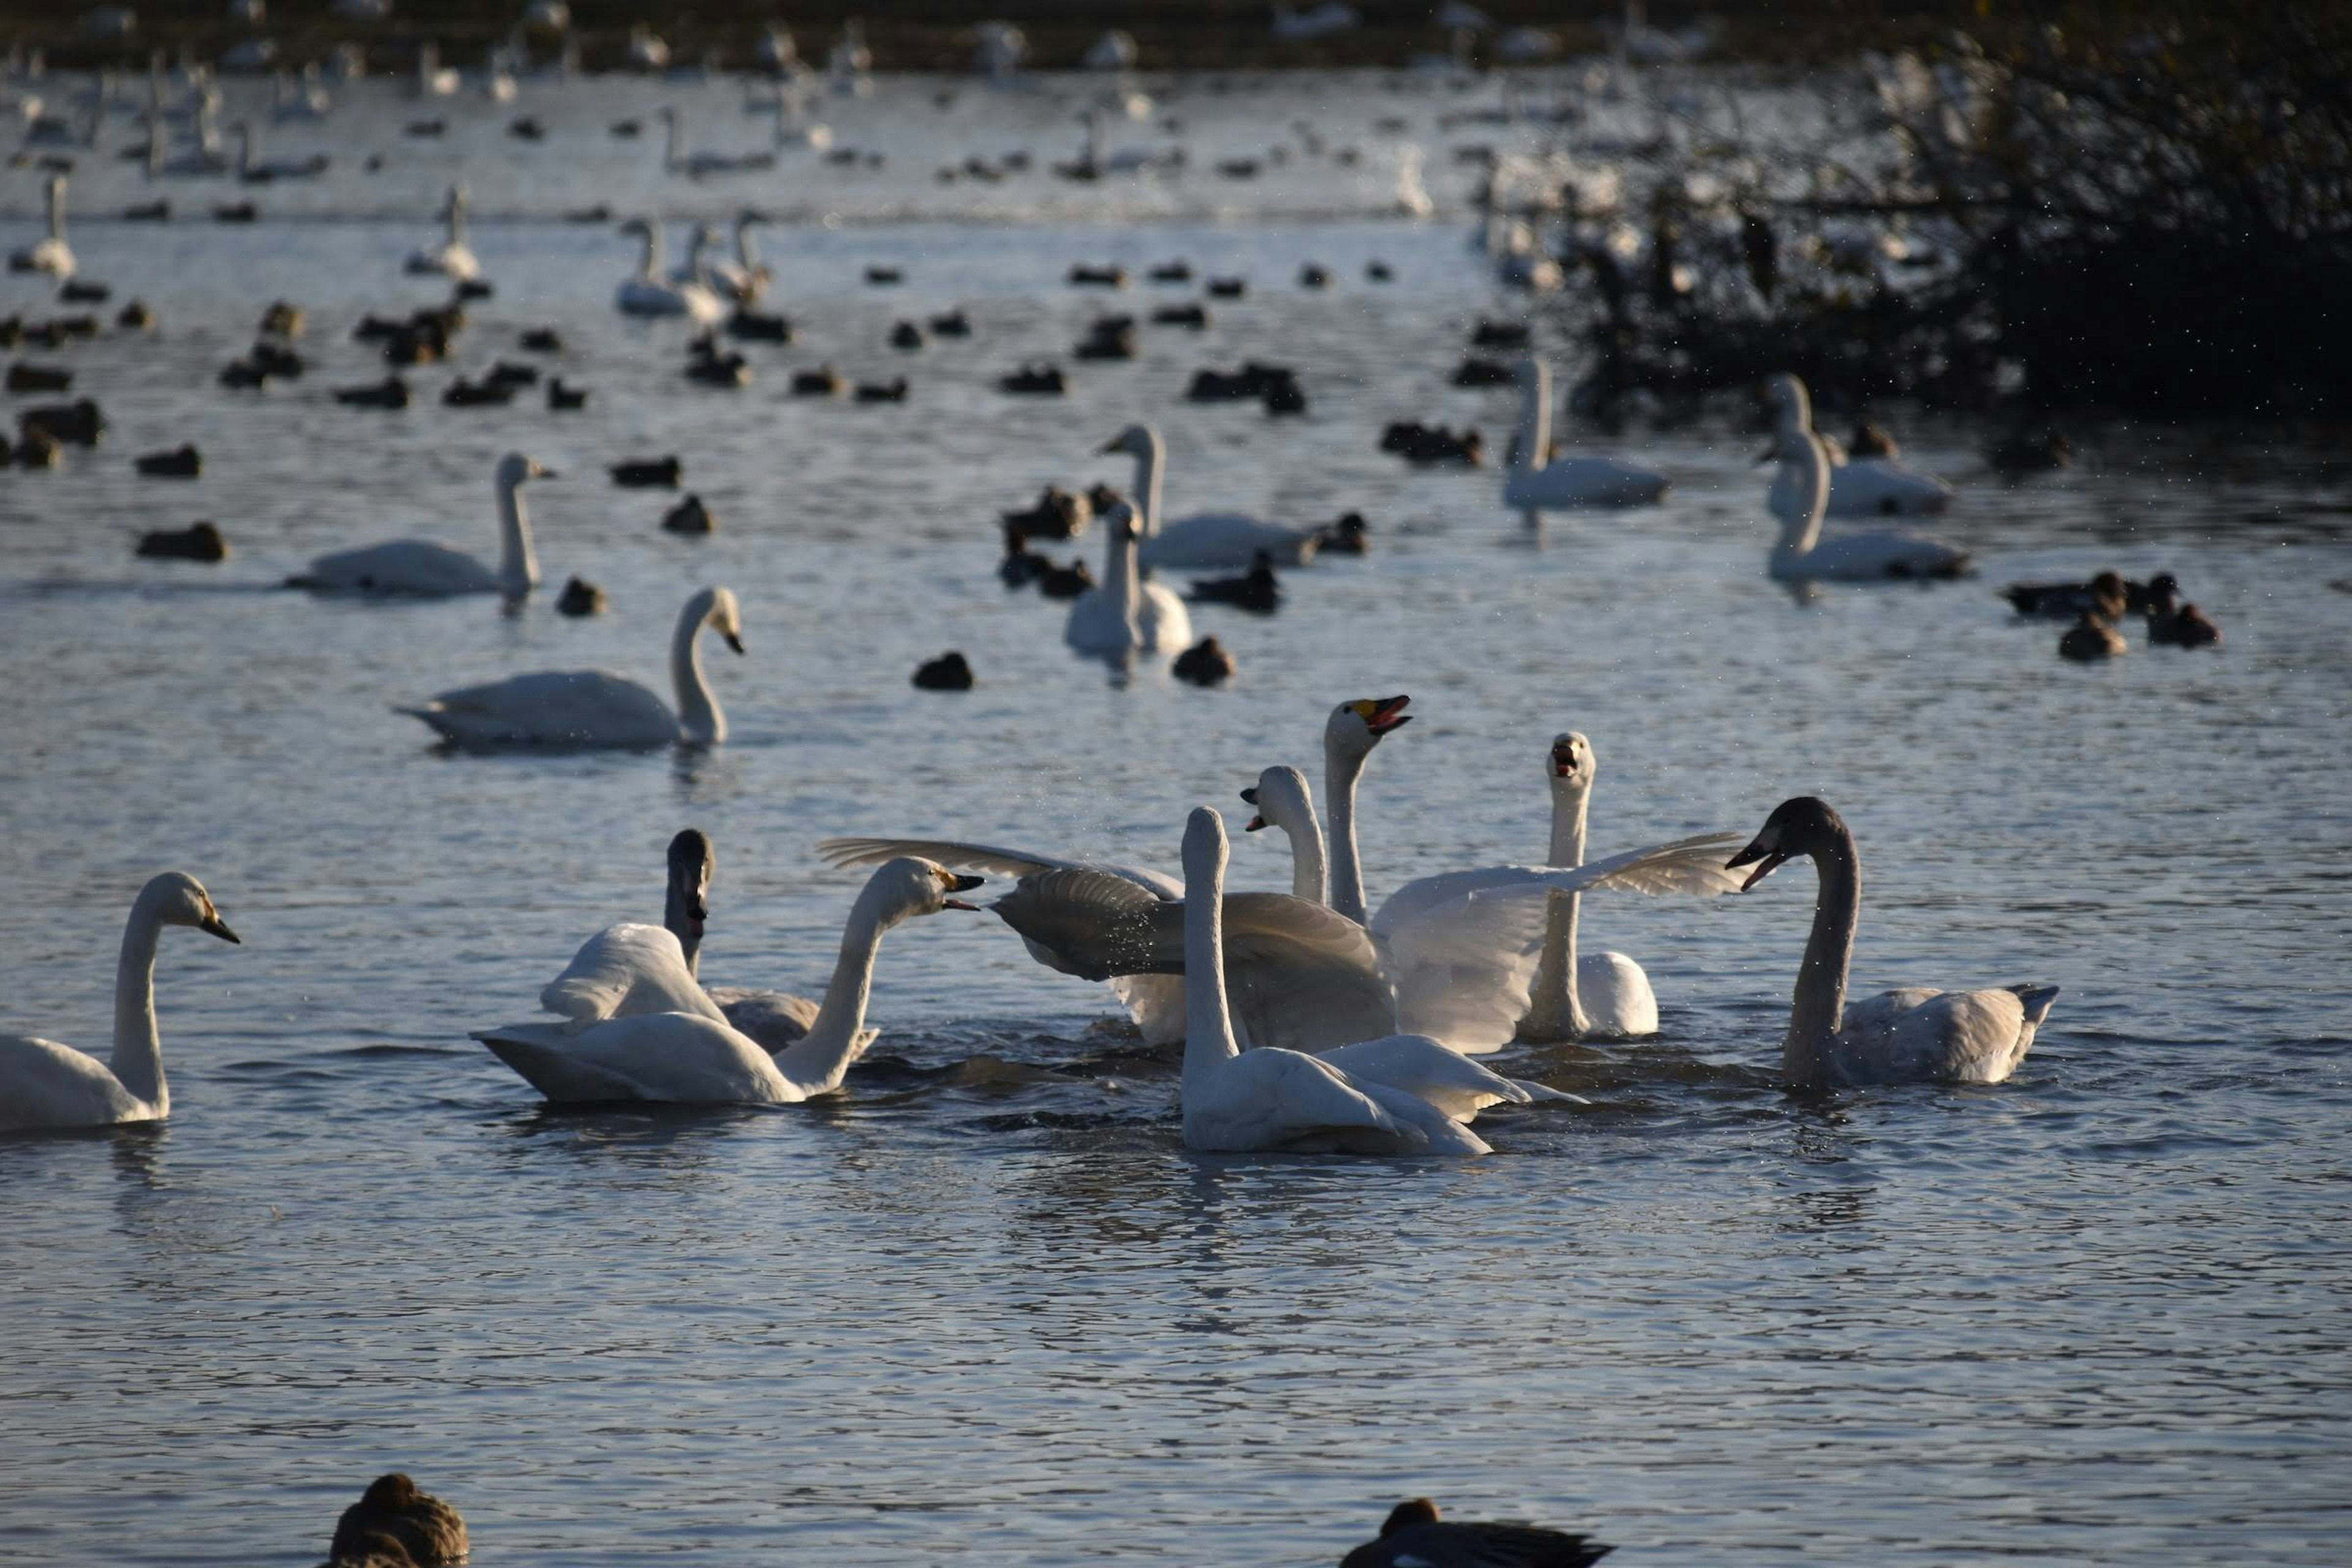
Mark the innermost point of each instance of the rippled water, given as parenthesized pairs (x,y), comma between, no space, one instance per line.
(983,1305)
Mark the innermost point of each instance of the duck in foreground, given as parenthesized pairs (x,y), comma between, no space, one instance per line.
(591,708)
(45,1085)
(1915,1034)
(1413,1536)
(418,568)
(394,1524)
(639,1027)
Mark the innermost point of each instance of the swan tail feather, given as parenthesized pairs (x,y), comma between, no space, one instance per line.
(2037,999)
(561,1078)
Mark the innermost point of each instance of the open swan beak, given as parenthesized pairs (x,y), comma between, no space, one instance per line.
(1249,797)
(1382,714)
(962,885)
(1770,859)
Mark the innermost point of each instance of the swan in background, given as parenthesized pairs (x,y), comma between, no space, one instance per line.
(45,1084)
(640,1049)
(644,294)
(774,1018)
(1580,996)
(1283,801)
(695,270)
(679,160)
(793,129)
(420,569)
(453,257)
(593,707)
(1124,614)
(744,279)
(1866,487)
(1206,540)
(49,254)
(308,100)
(1911,1035)
(255,170)
(1269,1099)
(1535,485)
(1801,555)
(204,159)
(432,79)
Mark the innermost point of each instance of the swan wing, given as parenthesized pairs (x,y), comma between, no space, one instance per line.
(1886,552)
(412,566)
(839,852)
(1616,996)
(559,708)
(680,1057)
(1163,623)
(1156,1003)
(1091,923)
(1917,1034)
(1877,487)
(1274,1099)
(623,970)
(777,1019)
(1428,1070)
(1208,540)
(45,1084)
(1585,482)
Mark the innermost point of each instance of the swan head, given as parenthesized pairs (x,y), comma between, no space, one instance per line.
(1355,728)
(722,615)
(1204,845)
(1135,441)
(176,898)
(911,885)
(1121,519)
(1790,402)
(1803,826)
(1283,800)
(751,217)
(1571,763)
(692,861)
(515,471)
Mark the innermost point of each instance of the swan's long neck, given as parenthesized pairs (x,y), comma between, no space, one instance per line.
(56,209)
(1558,1013)
(154,142)
(1819,1008)
(1535,420)
(518,565)
(652,255)
(1125,582)
(697,711)
(1341,769)
(679,920)
(1311,876)
(456,217)
(138,1050)
(246,158)
(747,255)
(818,1060)
(1150,467)
(1805,462)
(1208,1023)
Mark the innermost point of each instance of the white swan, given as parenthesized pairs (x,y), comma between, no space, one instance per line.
(774,1018)
(1910,1036)
(432,79)
(1123,614)
(1801,555)
(420,569)
(1205,541)
(453,258)
(45,1084)
(644,294)
(1866,487)
(594,708)
(744,279)
(1271,1100)
(1581,996)
(202,159)
(1535,485)
(50,253)
(625,1037)
(793,129)
(693,165)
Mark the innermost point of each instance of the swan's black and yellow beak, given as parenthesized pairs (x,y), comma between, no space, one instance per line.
(1765,849)
(1249,797)
(959,884)
(1382,714)
(219,928)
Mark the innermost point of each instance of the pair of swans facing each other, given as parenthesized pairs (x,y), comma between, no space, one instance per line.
(595,709)
(44,1084)
(638,1026)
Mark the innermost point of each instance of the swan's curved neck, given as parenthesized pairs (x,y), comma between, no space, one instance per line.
(518,565)
(819,1060)
(138,1049)
(56,209)
(1208,1023)
(1557,1012)
(1123,580)
(1311,876)
(1805,462)
(680,923)
(1819,1008)
(1150,467)
(747,254)
(1341,769)
(697,711)
(1534,421)
(456,218)
(652,255)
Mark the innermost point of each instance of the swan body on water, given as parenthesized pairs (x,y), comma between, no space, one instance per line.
(44,1084)
(1124,614)
(1581,996)
(50,253)
(453,258)
(419,569)
(1801,554)
(1535,486)
(594,708)
(1207,541)
(644,293)
(1269,1099)
(1866,487)
(1910,1036)
(637,1048)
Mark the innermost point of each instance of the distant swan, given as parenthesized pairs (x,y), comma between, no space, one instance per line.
(1536,487)
(453,257)
(1125,614)
(643,1049)
(49,254)
(1911,1035)
(1803,554)
(1867,487)
(1207,541)
(644,294)
(594,708)
(420,569)
(745,279)
(45,1084)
